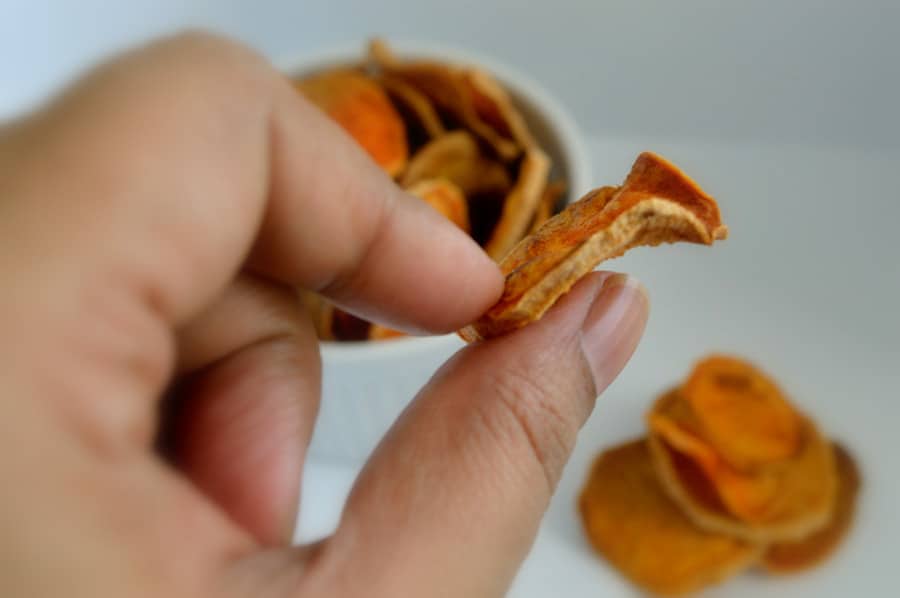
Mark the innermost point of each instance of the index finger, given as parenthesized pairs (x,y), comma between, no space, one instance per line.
(173,167)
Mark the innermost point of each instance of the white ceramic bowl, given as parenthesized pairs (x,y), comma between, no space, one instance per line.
(367,384)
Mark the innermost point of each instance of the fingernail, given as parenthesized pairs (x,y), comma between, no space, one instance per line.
(613,326)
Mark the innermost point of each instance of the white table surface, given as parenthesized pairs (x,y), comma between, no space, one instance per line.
(808,285)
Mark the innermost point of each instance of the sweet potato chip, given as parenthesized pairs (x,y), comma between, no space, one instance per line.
(520,204)
(416,103)
(377,332)
(363,109)
(657,204)
(782,501)
(630,521)
(747,497)
(548,204)
(320,312)
(334,324)
(457,157)
(446,198)
(791,557)
(494,106)
(445,86)
(742,413)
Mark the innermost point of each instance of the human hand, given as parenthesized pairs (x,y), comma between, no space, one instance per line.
(154,222)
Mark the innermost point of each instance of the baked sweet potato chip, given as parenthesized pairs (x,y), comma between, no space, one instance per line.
(331,322)
(494,106)
(347,327)
(363,109)
(378,332)
(457,157)
(783,500)
(446,198)
(657,204)
(445,85)
(320,312)
(790,557)
(744,496)
(550,199)
(416,103)
(630,521)
(742,413)
(521,204)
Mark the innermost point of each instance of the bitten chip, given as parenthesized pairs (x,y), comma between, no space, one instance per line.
(791,557)
(633,524)
(657,204)
(363,109)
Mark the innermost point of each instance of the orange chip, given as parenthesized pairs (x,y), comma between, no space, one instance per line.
(742,413)
(520,204)
(494,106)
(320,312)
(630,521)
(363,109)
(658,203)
(446,198)
(377,332)
(445,86)
(457,157)
(791,557)
(416,103)
(745,496)
(548,203)
(333,323)
(780,501)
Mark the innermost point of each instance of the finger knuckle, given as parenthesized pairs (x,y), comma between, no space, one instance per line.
(209,44)
(224,66)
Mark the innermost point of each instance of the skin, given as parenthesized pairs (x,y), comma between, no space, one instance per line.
(154,221)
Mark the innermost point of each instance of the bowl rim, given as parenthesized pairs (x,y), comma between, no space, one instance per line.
(572,146)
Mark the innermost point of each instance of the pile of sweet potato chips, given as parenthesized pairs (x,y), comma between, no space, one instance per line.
(730,476)
(449,134)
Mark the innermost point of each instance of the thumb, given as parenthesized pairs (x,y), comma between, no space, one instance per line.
(450,502)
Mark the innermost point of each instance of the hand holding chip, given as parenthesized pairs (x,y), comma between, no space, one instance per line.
(155,222)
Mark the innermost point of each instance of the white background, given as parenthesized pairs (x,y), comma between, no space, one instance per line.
(802,70)
(786,111)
